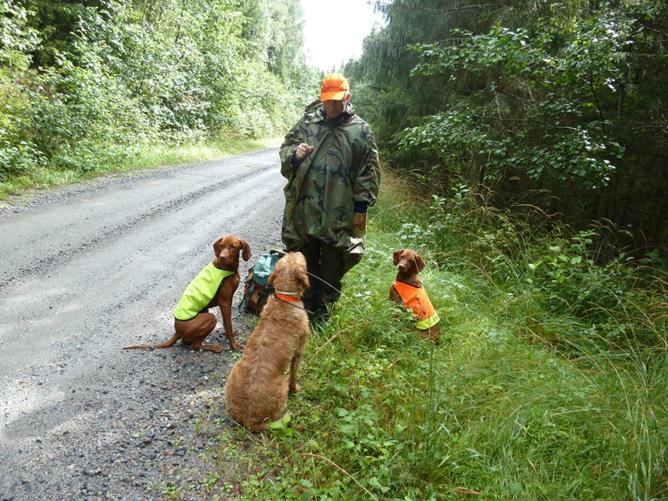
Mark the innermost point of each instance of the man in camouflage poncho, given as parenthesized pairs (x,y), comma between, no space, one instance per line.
(331,163)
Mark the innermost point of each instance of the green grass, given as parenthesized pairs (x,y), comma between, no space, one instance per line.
(140,156)
(522,400)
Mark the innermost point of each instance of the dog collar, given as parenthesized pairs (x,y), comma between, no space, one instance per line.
(290,297)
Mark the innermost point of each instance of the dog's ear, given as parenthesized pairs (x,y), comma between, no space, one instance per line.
(246,253)
(302,279)
(396,256)
(217,247)
(270,280)
(419,262)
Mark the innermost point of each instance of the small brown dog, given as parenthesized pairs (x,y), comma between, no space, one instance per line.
(213,286)
(407,290)
(256,392)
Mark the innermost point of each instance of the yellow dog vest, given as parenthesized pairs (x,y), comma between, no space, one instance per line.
(416,299)
(200,292)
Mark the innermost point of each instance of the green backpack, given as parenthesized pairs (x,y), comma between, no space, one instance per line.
(257,289)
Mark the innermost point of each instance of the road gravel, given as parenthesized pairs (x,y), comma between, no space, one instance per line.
(87,269)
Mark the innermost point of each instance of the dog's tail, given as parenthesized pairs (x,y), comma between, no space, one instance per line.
(166,344)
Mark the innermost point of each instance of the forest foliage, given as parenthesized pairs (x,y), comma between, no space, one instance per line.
(559,104)
(551,378)
(86,83)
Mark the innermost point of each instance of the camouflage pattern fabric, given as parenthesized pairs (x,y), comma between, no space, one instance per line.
(321,192)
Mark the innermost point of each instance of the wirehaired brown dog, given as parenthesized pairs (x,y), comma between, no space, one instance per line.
(214,286)
(256,392)
(407,290)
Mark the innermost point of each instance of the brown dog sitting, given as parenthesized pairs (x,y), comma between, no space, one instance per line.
(256,392)
(407,290)
(213,286)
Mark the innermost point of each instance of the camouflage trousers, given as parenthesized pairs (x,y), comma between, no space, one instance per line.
(329,265)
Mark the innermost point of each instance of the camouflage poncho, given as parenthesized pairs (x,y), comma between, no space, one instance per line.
(321,192)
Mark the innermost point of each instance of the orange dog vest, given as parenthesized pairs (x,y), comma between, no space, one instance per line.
(416,299)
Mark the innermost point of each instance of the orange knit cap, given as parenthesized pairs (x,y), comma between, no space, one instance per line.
(334,87)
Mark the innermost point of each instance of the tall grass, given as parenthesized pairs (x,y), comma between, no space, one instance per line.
(550,381)
(123,158)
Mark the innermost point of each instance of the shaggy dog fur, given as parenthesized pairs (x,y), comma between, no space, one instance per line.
(256,392)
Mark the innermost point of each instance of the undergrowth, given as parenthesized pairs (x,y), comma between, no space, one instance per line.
(550,381)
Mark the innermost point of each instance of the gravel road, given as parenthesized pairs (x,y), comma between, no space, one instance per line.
(84,271)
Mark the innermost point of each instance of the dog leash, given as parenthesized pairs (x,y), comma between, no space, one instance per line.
(295,294)
(312,275)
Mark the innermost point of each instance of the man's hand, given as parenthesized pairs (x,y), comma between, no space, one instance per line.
(359,220)
(302,150)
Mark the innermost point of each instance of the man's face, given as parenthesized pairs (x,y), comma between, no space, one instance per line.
(334,108)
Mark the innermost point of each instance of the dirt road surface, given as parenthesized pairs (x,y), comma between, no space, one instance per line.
(88,269)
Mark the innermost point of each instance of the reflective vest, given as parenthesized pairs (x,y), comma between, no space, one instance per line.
(200,292)
(416,299)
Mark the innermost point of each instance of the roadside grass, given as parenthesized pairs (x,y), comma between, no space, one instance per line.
(132,157)
(531,395)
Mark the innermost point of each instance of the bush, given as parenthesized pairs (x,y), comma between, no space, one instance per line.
(84,85)
(491,412)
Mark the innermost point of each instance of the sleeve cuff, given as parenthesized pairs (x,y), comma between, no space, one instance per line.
(361,206)
(295,163)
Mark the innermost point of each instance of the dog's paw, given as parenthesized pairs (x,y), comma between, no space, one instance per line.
(215,348)
(296,389)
